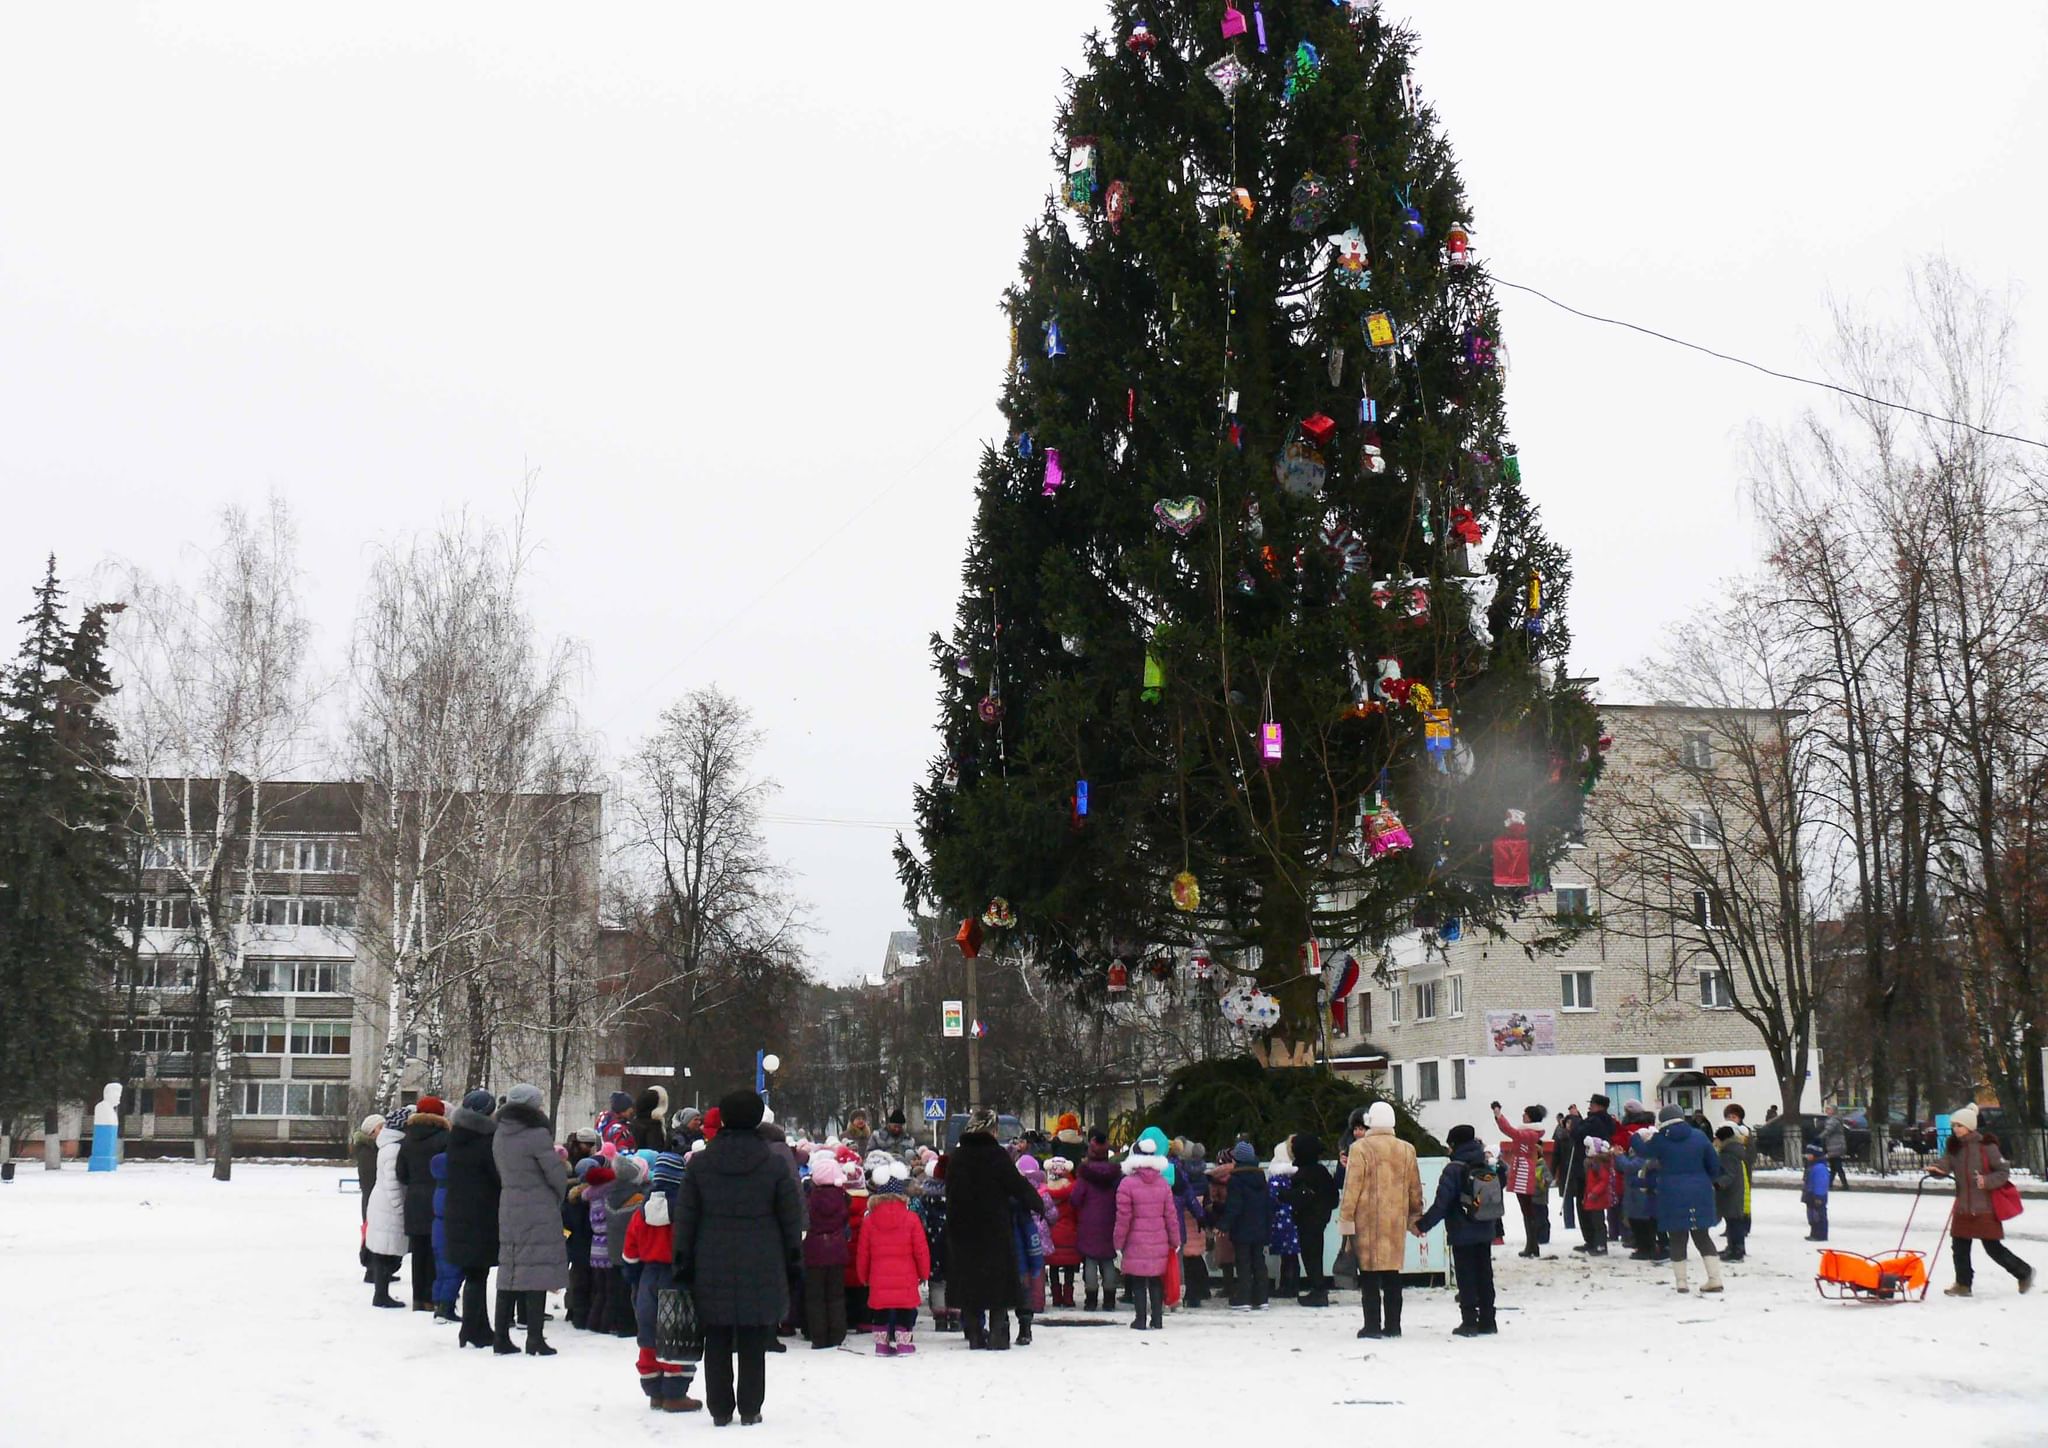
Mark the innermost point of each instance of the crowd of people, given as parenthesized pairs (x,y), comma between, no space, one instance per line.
(857,1234)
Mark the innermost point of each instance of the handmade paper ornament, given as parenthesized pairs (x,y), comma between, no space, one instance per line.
(1246,1006)
(1384,833)
(1241,198)
(1479,591)
(989,710)
(1116,204)
(1024,445)
(1254,521)
(1421,698)
(1465,526)
(1334,364)
(1479,350)
(1180,516)
(1259,25)
(1272,743)
(1055,475)
(998,916)
(1438,737)
(1141,40)
(1080,172)
(1406,598)
(1380,334)
(1155,678)
(1458,245)
(1303,67)
(1055,340)
(1233,21)
(1352,264)
(1159,965)
(1340,979)
(1300,470)
(1246,584)
(1347,548)
(1311,203)
(1511,468)
(968,937)
(1319,429)
(1511,853)
(1080,799)
(1119,977)
(1535,621)
(1228,243)
(1227,73)
(1389,687)
(1411,218)
(1185,892)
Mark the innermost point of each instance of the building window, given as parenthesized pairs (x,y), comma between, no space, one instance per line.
(1399,1093)
(181,1101)
(1426,1087)
(1456,983)
(293,1098)
(1574,904)
(1703,831)
(296,977)
(320,1038)
(178,853)
(1458,1079)
(1394,1007)
(1709,910)
(335,911)
(1621,1065)
(1696,750)
(160,972)
(1578,989)
(305,857)
(1361,1014)
(1425,1001)
(1714,993)
(163,1038)
(257,1038)
(157,912)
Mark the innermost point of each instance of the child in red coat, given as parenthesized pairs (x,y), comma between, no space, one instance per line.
(1065,1258)
(893,1258)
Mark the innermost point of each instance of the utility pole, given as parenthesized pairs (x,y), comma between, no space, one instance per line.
(973,1041)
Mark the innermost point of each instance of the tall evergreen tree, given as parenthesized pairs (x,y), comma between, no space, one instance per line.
(1253,582)
(61,859)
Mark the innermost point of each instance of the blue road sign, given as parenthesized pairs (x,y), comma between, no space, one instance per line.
(934,1108)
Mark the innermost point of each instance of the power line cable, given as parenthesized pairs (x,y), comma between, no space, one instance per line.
(1772,371)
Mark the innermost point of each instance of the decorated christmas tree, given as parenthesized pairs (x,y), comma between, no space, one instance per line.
(1257,660)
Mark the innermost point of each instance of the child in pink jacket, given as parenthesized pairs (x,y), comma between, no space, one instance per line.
(1147,1231)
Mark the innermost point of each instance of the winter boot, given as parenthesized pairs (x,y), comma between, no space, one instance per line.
(998,1331)
(1960,1289)
(975,1325)
(383,1297)
(1372,1314)
(1713,1266)
(1678,1271)
(1487,1324)
(885,1343)
(1468,1322)
(1394,1317)
(536,1314)
(1089,1305)
(1023,1329)
(1320,1297)
(905,1347)
(501,1329)
(675,1395)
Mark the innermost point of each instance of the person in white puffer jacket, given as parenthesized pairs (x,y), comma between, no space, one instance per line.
(384,1227)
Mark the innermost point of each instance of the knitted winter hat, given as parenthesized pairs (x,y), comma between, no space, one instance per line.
(889,1176)
(712,1121)
(630,1169)
(1058,1167)
(588,1136)
(524,1094)
(1244,1154)
(1029,1169)
(1966,1118)
(588,1165)
(896,1118)
(1459,1135)
(621,1103)
(1196,1153)
(372,1124)
(668,1172)
(1813,1148)
(1670,1113)
(396,1117)
(1379,1117)
(482,1102)
(826,1171)
(431,1106)
(689,1116)
(740,1111)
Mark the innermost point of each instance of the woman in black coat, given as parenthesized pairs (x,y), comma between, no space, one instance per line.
(982,1275)
(1313,1196)
(649,1121)
(469,1213)
(738,1228)
(426,1137)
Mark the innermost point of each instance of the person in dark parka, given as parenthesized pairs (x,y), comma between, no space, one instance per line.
(364,1150)
(426,1137)
(981,1256)
(1687,1168)
(1314,1198)
(469,1214)
(738,1228)
(649,1121)
(1247,1220)
(533,1259)
(1470,1239)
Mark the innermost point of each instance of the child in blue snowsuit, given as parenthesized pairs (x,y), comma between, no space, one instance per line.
(1816,1193)
(447,1276)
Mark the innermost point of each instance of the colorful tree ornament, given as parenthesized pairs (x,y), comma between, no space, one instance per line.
(1319,429)
(1384,832)
(1272,743)
(1242,199)
(1180,516)
(1535,621)
(1141,40)
(1311,203)
(989,710)
(1300,470)
(1119,977)
(1370,458)
(968,937)
(1185,892)
(1080,799)
(1227,73)
(1200,965)
(1303,68)
(1055,475)
(1479,349)
(1465,526)
(1380,334)
(1352,265)
(1511,853)
(1438,736)
(1340,979)
(1411,219)
(1406,598)
(1023,444)
(1055,340)
(1389,687)
(1259,25)
(1233,21)
(1347,547)
(1155,678)
(1116,204)
(998,916)
(1458,245)
(1080,172)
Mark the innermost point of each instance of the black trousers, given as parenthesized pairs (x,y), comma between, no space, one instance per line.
(1474,1267)
(577,1303)
(1381,1293)
(825,1305)
(422,1269)
(1996,1251)
(749,1345)
(1738,1233)
(1194,1276)
(1592,1225)
(1254,1280)
(1148,1296)
(1838,1173)
(1535,1220)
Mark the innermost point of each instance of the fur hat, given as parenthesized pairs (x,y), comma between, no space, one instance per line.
(431,1106)
(1379,1117)
(889,1175)
(1244,1154)
(740,1111)
(524,1094)
(826,1171)
(1460,1134)
(653,1101)
(1966,1118)
(1145,1156)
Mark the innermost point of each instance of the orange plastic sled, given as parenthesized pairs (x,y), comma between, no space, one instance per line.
(1889,1278)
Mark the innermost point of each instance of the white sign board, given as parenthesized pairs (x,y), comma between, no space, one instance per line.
(953,1019)
(650,1070)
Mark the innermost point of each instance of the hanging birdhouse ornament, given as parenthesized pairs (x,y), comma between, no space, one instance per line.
(1458,245)
(1119,977)
(968,938)
(1511,853)
(1311,203)
(1437,734)
(1055,475)
(1272,743)
(1233,21)
(1080,172)
(1353,266)
(998,916)
(1185,892)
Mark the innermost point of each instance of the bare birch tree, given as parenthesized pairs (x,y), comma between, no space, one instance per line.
(214,717)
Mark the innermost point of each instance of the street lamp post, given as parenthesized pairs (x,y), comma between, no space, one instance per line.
(766,1064)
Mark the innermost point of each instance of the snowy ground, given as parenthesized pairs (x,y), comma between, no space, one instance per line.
(154,1306)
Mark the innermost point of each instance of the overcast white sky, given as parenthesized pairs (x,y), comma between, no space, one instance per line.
(727,275)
